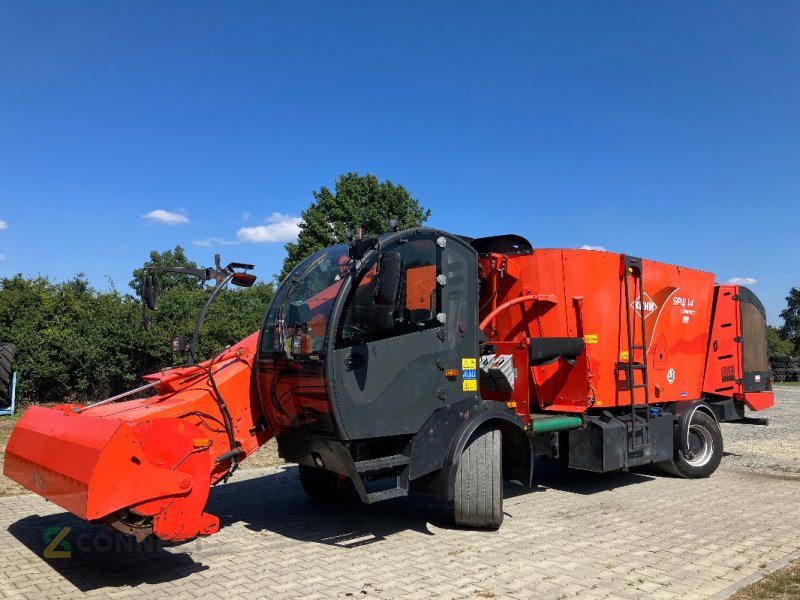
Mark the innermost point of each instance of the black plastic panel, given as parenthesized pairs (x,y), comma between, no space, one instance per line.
(603,445)
(545,350)
(392,386)
(502,244)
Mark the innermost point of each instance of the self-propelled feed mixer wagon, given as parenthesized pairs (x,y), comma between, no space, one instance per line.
(423,361)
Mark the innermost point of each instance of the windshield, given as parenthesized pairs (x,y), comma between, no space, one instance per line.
(304,302)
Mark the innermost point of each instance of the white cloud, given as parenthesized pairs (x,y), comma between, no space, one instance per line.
(279,228)
(3,225)
(588,247)
(3,257)
(743,280)
(214,241)
(246,216)
(165,217)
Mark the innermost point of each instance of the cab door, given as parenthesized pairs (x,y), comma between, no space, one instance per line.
(389,360)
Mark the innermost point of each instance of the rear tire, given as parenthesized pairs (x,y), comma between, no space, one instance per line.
(8,352)
(323,485)
(705,449)
(478,494)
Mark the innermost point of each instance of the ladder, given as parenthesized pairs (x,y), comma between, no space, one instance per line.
(396,466)
(632,274)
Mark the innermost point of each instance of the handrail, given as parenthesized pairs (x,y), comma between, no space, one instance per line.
(506,305)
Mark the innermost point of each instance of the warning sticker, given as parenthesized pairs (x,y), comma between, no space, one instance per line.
(469,385)
(590,338)
(624,355)
(470,373)
(468,363)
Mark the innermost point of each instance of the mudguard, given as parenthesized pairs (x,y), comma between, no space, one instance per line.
(685,410)
(437,448)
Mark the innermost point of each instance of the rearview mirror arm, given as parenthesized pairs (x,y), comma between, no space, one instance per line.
(202,316)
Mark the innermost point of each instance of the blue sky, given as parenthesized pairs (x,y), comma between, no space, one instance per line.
(667,130)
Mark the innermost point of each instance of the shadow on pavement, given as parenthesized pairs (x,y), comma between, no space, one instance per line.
(556,476)
(283,508)
(100,557)
(278,504)
(93,556)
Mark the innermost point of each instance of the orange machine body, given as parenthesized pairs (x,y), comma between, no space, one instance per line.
(144,465)
(585,332)
(581,294)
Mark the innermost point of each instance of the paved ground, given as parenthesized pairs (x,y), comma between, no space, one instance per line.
(622,535)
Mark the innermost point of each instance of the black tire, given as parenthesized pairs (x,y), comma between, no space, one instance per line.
(323,485)
(705,454)
(478,494)
(8,352)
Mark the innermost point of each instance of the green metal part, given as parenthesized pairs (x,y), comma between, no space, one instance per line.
(546,423)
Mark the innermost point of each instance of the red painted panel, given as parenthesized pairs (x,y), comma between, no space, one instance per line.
(590,302)
(724,368)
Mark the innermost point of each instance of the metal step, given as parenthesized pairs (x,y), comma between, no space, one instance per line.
(384,463)
(384,467)
(623,366)
(388,494)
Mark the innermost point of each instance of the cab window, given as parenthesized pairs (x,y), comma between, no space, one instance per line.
(415,308)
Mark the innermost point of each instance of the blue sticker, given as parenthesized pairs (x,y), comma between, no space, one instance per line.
(684,394)
(470,374)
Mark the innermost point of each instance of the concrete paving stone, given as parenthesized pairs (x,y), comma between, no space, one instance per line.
(579,534)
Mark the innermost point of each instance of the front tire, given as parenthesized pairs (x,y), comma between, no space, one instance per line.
(705,449)
(478,494)
(323,485)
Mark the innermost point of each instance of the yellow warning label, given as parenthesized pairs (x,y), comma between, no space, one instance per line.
(468,363)
(623,355)
(590,338)
(469,385)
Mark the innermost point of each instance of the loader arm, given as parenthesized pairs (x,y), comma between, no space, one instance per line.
(146,465)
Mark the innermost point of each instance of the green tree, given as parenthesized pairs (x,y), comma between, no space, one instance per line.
(166,281)
(358,201)
(776,343)
(72,340)
(235,313)
(77,343)
(791,319)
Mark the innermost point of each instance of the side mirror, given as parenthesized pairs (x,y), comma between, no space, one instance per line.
(298,313)
(243,279)
(359,248)
(149,293)
(178,344)
(388,286)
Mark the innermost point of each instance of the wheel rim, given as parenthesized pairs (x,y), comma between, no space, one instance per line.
(701,446)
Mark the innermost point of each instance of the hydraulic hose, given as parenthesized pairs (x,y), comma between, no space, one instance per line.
(510,303)
(234,452)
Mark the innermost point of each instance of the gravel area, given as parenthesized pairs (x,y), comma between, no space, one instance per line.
(775,447)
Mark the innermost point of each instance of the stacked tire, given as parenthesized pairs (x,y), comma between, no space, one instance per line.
(8,353)
(784,368)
